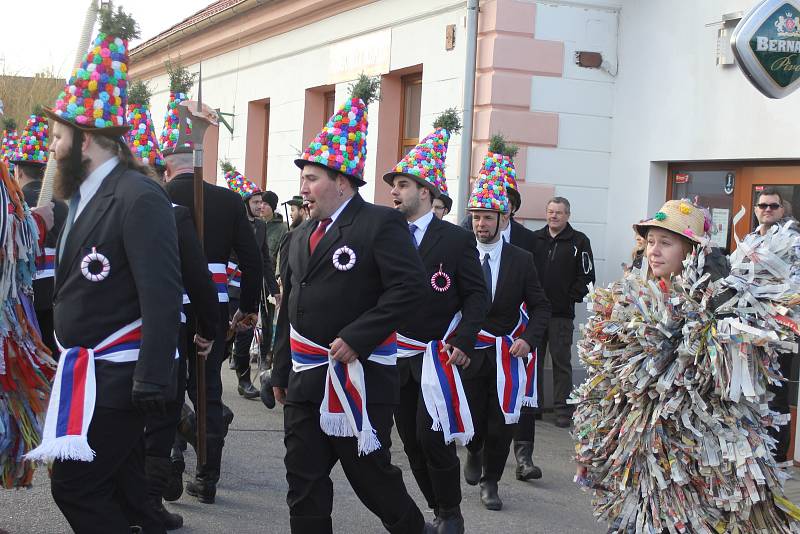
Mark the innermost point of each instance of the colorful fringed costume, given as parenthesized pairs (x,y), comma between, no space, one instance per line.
(671,422)
(26,369)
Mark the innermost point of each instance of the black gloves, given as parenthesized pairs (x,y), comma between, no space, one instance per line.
(148,398)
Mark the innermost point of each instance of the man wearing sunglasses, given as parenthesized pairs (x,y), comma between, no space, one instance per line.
(770,210)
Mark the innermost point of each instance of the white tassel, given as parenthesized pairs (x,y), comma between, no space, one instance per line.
(368,442)
(63,448)
(336,425)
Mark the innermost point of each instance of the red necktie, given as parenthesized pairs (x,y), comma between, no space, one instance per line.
(317,234)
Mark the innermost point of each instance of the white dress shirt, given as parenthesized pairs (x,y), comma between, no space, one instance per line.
(422,225)
(93,182)
(494,251)
(507,233)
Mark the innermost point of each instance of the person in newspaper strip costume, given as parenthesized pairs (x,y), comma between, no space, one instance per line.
(239,347)
(351,278)
(501,377)
(26,369)
(433,412)
(160,430)
(671,424)
(116,300)
(30,158)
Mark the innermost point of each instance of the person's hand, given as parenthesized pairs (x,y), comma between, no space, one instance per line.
(148,398)
(341,351)
(280,394)
(520,348)
(46,213)
(457,356)
(242,321)
(278,298)
(203,345)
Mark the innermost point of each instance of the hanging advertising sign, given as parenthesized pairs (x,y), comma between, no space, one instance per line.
(766,43)
(682,178)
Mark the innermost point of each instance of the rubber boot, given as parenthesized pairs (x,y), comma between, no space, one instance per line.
(523,452)
(312,523)
(266,394)
(187,426)
(489,497)
(157,471)
(446,484)
(174,486)
(473,467)
(450,521)
(204,485)
(227,417)
(246,388)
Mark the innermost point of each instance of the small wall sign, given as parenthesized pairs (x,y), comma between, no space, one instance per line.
(730,181)
(766,43)
(682,178)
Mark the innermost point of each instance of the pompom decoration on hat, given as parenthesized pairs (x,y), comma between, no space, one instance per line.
(680,217)
(237,182)
(141,137)
(180,82)
(95,96)
(33,142)
(499,163)
(489,194)
(9,141)
(342,144)
(426,161)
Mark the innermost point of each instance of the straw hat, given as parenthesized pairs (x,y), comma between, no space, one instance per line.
(678,216)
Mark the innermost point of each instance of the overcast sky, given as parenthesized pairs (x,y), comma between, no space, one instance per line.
(43,35)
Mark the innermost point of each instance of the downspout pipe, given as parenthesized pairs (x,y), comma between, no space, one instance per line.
(468,107)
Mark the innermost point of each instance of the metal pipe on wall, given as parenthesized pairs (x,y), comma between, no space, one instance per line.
(468,107)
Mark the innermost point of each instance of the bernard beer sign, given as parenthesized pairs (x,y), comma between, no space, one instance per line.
(766,43)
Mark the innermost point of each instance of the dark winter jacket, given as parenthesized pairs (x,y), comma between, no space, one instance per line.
(276,229)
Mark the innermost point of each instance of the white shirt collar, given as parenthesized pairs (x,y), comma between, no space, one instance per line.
(493,249)
(92,183)
(423,222)
(507,233)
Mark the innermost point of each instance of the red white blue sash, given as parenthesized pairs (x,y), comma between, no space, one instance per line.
(45,264)
(72,399)
(407,347)
(343,412)
(531,397)
(512,373)
(234,274)
(219,275)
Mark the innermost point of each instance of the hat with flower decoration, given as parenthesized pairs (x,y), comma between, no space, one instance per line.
(180,82)
(680,217)
(237,182)
(9,142)
(32,143)
(499,161)
(342,144)
(95,97)
(425,162)
(141,138)
(489,194)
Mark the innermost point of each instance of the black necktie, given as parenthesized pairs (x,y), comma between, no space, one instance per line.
(487,274)
(413,229)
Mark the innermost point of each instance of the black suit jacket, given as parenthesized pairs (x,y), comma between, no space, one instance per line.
(522,237)
(517,282)
(196,278)
(130,221)
(43,287)
(452,249)
(270,283)
(226,229)
(363,305)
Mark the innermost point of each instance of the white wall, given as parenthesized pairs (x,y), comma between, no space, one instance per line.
(673,103)
(283,67)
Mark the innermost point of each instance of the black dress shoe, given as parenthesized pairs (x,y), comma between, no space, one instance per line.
(204,490)
(473,468)
(523,452)
(266,393)
(489,497)
(450,521)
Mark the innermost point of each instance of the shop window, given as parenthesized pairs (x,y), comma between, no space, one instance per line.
(711,189)
(411,105)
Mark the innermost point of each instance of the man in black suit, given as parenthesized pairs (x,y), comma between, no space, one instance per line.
(453,282)
(117,273)
(350,278)
(29,176)
(511,280)
(227,230)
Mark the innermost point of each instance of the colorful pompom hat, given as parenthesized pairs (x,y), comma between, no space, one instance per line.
(141,138)
(95,97)
(499,162)
(425,162)
(489,194)
(9,142)
(342,144)
(680,217)
(180,82)
(32,145)
(237,182)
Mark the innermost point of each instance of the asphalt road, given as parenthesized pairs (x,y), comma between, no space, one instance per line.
(251,496)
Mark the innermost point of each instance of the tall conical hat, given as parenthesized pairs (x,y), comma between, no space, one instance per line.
(489,194)
(425,162)
(33,142)
(95,97)
(241,185)
(498,162)
(342,144)
(180,82)
(141,138)
(9,141)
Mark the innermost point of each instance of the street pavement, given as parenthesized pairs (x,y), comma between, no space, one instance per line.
(251,497)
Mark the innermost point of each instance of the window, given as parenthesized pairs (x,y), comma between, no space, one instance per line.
(411,104)
(329,106)
(257,142)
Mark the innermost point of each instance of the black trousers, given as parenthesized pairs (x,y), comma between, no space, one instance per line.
(434,464)
(525,429)
(780,404)
(267,317)
(45,319)
(558,338)
(215,425)
(240,345)
(492,435)
(109,494)
(160,430)
(310,456)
